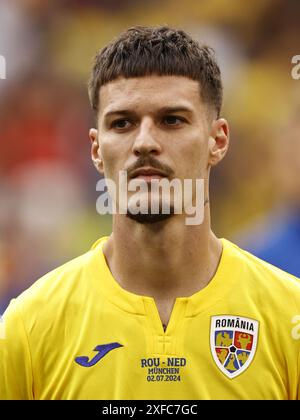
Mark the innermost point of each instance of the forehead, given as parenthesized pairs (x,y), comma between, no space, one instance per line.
(149,92)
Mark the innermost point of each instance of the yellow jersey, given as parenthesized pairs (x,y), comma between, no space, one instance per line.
(76,334)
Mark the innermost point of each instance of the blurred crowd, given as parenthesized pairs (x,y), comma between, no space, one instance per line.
(48,184)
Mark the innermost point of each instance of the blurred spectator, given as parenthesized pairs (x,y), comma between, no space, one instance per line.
(45,171)
(20,39)
(276,237)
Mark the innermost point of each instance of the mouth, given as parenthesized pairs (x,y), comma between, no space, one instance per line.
(148,174)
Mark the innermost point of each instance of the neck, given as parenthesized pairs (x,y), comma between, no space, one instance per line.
(164,260)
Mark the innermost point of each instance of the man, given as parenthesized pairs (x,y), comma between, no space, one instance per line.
(161,309)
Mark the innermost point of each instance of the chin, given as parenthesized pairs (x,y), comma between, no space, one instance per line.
(149,218)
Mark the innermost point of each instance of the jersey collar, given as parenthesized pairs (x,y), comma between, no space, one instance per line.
(217,289)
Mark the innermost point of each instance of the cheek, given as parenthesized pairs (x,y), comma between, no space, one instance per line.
(192,158)
(111,157)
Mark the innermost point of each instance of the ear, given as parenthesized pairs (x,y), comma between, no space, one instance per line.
(218,142)
(96,151)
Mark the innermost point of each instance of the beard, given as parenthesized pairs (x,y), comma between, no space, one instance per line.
(149,218)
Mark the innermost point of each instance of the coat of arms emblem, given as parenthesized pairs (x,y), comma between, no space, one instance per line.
(233,342)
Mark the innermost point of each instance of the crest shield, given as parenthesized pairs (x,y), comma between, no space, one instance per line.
(233,342)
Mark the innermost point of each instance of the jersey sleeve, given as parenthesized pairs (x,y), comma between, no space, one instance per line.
(16,381)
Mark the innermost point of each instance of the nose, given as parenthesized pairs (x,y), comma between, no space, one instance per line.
(146,140)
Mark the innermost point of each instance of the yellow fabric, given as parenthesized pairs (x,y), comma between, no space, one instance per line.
(79,306)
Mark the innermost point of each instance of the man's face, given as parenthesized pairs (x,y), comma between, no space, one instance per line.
(153,122)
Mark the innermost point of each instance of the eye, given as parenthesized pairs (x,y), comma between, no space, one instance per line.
(121,124)
(173,120)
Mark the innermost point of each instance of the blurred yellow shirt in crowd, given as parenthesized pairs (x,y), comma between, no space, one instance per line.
(76,334)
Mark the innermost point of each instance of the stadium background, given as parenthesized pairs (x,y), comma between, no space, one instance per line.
(47,181)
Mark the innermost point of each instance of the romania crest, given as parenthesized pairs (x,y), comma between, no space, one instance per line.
(233,341)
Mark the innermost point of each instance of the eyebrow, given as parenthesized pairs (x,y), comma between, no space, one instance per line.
(164,110)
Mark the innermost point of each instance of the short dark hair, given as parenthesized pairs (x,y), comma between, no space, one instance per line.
(164,51)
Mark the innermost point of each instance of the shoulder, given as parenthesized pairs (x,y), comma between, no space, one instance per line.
(258,266)
(65,285)
(263,278)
